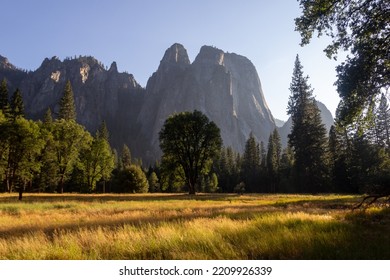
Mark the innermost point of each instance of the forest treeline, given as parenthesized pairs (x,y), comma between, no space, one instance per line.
(59,155)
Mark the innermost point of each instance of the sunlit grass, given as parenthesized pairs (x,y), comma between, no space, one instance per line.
(188,227)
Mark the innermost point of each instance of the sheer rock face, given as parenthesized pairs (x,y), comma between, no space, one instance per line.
(97,92)
(224,86)
(100,94)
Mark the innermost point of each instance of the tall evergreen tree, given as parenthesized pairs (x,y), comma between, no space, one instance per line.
(67,105)
(285,170)
(125,156)
(228,171)
(17,105)
(251,164)
(273,159)
(308,135)
(48,118)
(4,102)
(383,123)
(103,132)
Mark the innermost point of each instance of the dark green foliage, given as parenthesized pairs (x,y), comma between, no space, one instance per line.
(48,118)
(228,169)
(47,179)
(308,135)
(17,105)
(132,179)
(359,153)
(190,141)
(21,145)
(4,102)
(103,132)
(154,184)
(96,163)
(67,105)
(69,139)
(125,157)
(383,124)
(251,165)
(361,27)
(274,154)
(285,171)
(211,183)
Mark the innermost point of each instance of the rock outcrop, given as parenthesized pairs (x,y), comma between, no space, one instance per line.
(224,86)
(100,94)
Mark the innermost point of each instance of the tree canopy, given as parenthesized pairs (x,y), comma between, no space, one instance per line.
(190,141)
(363,29)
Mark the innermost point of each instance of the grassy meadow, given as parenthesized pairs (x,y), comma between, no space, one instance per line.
(178,226)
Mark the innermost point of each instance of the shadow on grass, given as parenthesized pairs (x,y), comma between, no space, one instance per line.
(156,217)
(353,235)
(31,198)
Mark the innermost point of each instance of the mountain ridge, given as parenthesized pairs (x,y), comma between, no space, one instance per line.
(224,86)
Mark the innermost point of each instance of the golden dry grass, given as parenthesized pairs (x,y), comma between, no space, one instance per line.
(178,226)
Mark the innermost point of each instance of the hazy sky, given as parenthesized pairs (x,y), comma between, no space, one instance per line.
(136,33)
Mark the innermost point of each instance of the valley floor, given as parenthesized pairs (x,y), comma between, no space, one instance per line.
(178,226)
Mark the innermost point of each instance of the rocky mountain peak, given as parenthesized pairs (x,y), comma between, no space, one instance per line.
(5,64)
(224,86)
(210,55)
(175,56)
(113,68)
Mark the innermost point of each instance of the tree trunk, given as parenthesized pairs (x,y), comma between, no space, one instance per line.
(20,193)
(61,185)
(191,187)
(9,190)
(191,190)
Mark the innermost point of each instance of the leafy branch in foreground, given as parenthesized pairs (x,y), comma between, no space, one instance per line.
(363,29)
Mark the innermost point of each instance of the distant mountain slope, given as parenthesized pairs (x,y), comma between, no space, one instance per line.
(326,117)
(279,123)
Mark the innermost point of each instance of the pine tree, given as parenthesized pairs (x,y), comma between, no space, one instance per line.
(273,159)
(48,118)
(227,170)
(67,105)
(251,164)
(126,156)
(308,135)
(17,105)
(4,103)
(103,132)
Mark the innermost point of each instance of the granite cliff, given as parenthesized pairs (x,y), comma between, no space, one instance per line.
(224,86)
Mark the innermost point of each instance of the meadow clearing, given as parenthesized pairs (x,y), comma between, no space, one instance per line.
(178,226)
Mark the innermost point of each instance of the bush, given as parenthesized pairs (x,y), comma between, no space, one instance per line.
(132,180)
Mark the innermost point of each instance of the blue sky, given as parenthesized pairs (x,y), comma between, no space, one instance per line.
(136,33)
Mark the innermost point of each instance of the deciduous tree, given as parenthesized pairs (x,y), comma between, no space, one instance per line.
(361,27)
(190,141)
